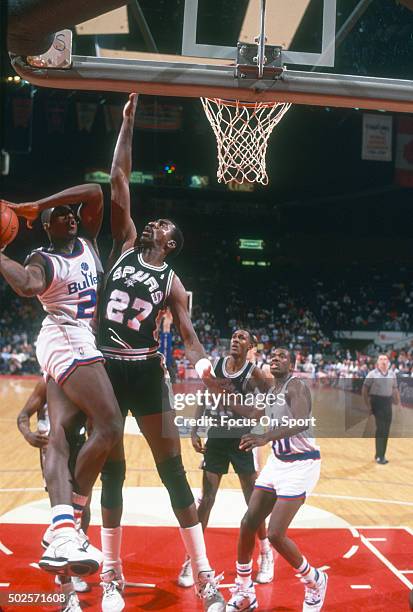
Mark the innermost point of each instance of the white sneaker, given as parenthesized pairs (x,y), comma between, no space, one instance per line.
(72,604)
(112,585)
(79,585)
(314,595)
(265,568)
(66,555)
(186,577)
(58,56)
(92,550)
(207,590)
(243,598)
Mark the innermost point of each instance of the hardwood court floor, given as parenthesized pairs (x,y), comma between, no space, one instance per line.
(351,486)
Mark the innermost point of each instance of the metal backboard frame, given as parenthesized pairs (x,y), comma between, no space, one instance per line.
(326,57)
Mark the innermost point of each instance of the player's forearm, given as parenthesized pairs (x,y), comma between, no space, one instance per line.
(87,193)
(122,157)
(198,414)
(194,351)
(23,424)
(16,275)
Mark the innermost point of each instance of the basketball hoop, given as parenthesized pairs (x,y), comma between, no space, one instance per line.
(242,130)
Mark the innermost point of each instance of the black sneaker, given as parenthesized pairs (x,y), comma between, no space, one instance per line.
(381,460)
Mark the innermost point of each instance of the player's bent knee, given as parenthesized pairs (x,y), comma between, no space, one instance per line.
(250,523)
(276,537)
(172,474)
(109,434)
(112,477)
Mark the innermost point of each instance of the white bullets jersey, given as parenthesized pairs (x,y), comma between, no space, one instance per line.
(70,297)
(298,447)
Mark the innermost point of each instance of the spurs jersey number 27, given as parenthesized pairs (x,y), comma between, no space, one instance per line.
(133,296)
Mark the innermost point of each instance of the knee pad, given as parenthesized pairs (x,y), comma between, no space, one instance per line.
(112,477)
(172,474)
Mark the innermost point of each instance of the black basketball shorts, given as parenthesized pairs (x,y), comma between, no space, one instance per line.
(220,452)
(140,386)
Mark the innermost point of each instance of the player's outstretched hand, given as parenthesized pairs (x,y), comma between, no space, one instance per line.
(197,443)
(28,210)
(130,106)
(214,384)
(250,441)
(36,439)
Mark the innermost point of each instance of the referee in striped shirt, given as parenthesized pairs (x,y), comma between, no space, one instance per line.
(379,392)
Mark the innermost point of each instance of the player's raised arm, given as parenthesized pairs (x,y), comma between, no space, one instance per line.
(88,195)
(26,281)
(123,228)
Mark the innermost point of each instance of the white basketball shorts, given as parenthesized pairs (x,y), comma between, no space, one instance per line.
(289,480)
(61,349)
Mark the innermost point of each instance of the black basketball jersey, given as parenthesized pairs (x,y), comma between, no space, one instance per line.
(239,381)
(133,296)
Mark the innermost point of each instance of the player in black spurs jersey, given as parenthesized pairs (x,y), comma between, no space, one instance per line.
(139,285)
(222,446)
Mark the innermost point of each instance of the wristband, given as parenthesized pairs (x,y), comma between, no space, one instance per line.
(202,365)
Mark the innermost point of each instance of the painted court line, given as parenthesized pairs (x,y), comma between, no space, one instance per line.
(35,565)
(22,490)
(360,586)
(374,500)
(350,553)
(5,550)
(141,585)
(386,562)
(4,584)
(406,571)
(377,539)
(354,532)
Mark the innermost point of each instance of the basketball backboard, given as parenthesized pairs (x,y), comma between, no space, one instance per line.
(350,53)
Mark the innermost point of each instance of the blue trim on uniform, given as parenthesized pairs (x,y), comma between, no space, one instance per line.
(292,497)
(75,364)
(269,489)
(63,517)
(299,456)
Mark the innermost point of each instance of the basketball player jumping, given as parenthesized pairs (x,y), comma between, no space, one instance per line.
(290,474)
(64,277)
(222,447)
(139,285)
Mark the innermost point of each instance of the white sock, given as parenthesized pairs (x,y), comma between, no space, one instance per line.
(111,538)
(63,520)
(244,573)
(193,539)
(307,572)
(265,546)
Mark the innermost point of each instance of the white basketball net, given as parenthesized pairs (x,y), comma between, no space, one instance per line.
(242,131)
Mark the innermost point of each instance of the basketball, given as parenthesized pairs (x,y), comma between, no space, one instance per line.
(9,225)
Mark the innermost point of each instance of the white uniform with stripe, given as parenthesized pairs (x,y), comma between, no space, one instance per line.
(66,339)
(293,468)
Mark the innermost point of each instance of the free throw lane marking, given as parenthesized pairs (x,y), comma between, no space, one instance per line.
(387,563)
(350,553)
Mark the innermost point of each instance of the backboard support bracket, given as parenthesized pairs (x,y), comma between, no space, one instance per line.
(247,66)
